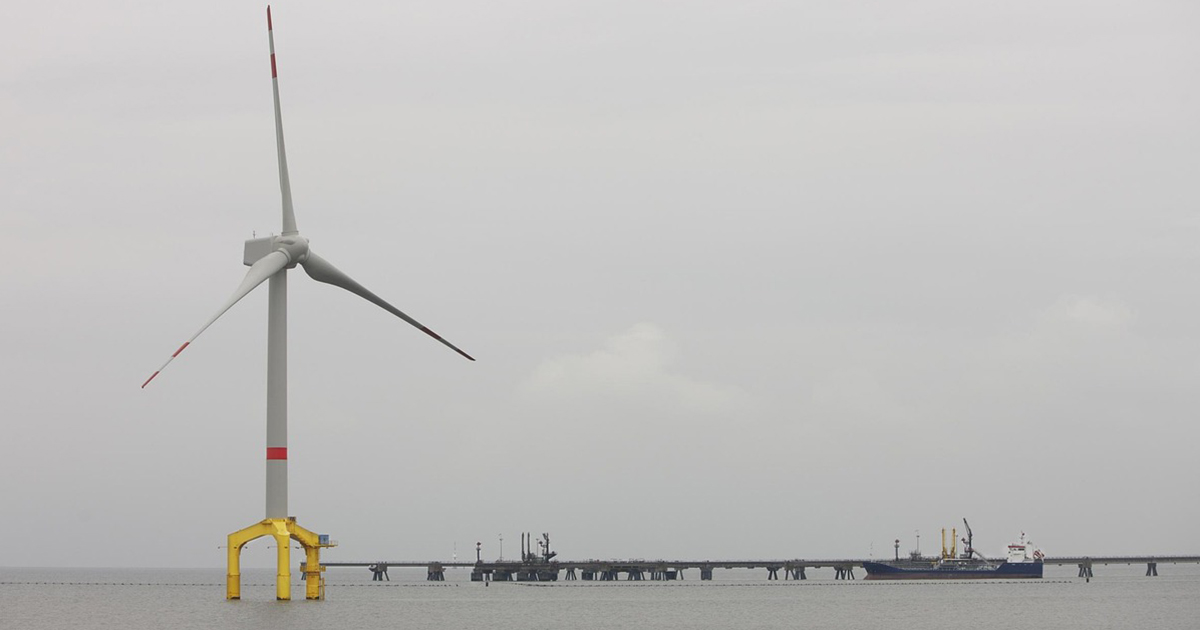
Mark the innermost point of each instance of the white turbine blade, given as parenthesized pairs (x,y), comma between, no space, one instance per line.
(320,270)
(266,267)
(285,184)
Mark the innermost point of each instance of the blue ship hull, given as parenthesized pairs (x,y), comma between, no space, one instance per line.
(955,571)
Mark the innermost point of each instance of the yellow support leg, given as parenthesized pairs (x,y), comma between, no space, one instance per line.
(283,567)
(314,584)
(283,531)
(312,573)
(237,540)
(233,578)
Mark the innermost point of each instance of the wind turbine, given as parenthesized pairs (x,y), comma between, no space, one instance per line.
(269,259)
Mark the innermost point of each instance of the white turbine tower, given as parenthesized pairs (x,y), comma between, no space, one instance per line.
(269,259)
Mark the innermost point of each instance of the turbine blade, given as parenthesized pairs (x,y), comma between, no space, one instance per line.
(285,184)
(322,271)
(266,267)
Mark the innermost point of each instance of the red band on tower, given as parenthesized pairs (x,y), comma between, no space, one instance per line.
(276,452)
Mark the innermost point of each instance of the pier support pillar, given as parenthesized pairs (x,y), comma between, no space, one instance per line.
(706,573)
(772,573)
(1151,569)
(1085,569)
(663,574)
(436,573)
(379,572)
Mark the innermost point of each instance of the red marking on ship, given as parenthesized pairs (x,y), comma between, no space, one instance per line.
(149,379)
(185,344)
(276,452)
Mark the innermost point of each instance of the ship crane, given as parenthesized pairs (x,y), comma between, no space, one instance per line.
(968,541)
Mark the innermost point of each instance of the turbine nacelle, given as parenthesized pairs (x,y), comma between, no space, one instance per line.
(295,247)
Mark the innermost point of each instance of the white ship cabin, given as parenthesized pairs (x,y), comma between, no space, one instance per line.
(1024,551)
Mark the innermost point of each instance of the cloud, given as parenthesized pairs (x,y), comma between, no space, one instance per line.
(1087,314)
(1078,348)
(633,367)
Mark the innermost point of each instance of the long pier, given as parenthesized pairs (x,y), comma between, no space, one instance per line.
(639,569)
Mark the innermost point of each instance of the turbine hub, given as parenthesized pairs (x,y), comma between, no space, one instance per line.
(295,246)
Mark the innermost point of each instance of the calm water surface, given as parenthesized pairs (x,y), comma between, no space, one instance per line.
(1120,597)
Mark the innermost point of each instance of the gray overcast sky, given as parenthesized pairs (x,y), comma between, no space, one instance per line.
(744,279)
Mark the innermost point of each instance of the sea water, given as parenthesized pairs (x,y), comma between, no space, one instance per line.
(133,599)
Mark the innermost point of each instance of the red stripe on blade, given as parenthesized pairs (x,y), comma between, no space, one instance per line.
(268,17)
(185,344)
(149,379)
(273,75)
(276,452)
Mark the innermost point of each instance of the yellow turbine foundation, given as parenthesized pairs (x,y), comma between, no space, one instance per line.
(284,531)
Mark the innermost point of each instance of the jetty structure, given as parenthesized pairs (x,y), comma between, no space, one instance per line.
(543,565)
(639,570)
(269,259)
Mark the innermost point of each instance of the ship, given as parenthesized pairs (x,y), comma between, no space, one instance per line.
(1023,561)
